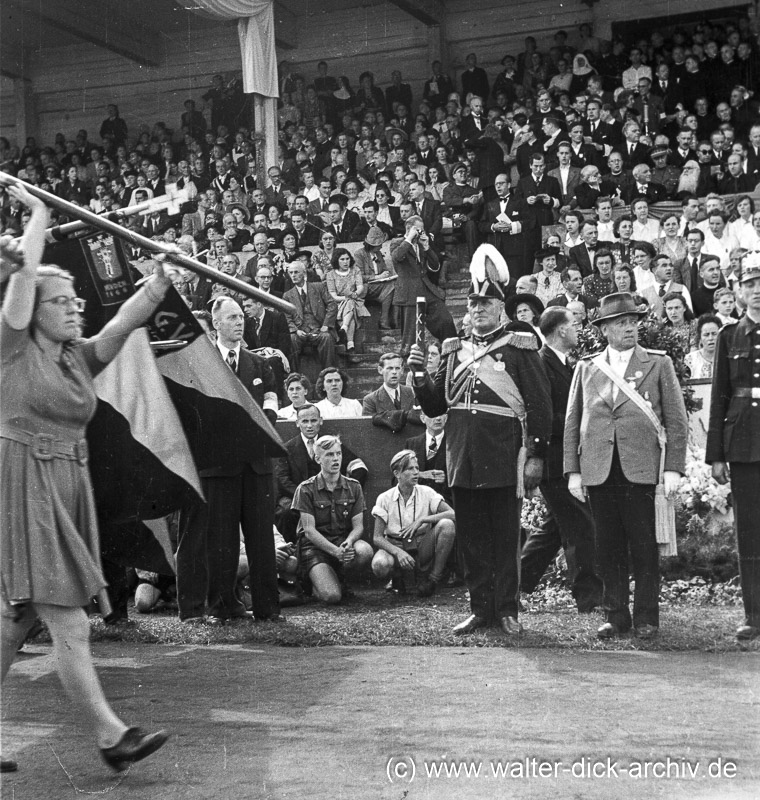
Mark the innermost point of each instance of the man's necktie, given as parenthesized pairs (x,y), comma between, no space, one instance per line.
(397,400)
(310,448)
(661,290)
(432,449)
(232,360)
(664,86)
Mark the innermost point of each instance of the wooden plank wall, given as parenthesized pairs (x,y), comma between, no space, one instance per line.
(74,83)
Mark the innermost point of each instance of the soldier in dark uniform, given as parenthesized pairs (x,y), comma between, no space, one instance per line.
(496,393)
(733,439)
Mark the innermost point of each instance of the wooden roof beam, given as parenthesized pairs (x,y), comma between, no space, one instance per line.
(415,11)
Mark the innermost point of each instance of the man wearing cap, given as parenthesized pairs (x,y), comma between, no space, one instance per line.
(502,221)
(733,438)
(496,394)
(612,457)
(378,275)
(663,173)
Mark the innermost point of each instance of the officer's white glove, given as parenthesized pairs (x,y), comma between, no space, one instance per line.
(671,481)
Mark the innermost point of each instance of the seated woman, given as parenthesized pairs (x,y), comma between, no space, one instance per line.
(276,225)
(414,528)
(321,259)
(330,385)
(643,254)
(297,388)
(700,360)
(679,317)
(673,245)
(436,182)
(346,286)
(331,525)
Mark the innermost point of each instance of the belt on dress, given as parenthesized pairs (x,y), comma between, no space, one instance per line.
(747,391)
(46,447)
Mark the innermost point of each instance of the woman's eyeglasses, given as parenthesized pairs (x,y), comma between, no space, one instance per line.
(65,300)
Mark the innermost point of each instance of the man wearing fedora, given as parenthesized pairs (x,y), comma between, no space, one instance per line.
(612,459)
(494,389)
(733,438)
(378,275)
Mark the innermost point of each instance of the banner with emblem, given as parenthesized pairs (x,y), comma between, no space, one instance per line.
(109,270)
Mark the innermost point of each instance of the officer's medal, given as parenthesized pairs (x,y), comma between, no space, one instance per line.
(499,365)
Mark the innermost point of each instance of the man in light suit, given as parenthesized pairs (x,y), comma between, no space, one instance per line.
(570,524)
(663,286)
(415,260)
(237,497)
(314,320)
(392,405)
(612,458)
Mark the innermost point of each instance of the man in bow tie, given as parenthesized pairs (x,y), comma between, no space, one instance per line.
(503,222)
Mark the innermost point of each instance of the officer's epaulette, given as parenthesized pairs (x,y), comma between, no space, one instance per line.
(656,352)
(450,345)
(522,341)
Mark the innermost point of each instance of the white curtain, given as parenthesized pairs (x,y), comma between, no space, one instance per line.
(256,32)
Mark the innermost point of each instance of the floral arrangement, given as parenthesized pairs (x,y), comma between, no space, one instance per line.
(654,334)
(698,491)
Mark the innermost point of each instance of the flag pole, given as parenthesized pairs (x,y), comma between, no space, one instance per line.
(105,224)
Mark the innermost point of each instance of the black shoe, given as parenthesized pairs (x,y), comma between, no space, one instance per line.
(608,631)
(511,626)
(6,765)
(276,617)
(646,631)
(746,633)
(470,625)
(133,746)
(426,587)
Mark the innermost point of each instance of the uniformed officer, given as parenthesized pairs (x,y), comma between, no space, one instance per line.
(733,438)
(613,454)
(496,393)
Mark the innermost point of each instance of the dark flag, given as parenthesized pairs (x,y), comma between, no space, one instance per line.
(139,455)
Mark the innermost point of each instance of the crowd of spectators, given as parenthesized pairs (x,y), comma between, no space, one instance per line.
(557,161)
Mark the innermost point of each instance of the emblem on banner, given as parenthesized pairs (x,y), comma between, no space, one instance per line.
(108,268)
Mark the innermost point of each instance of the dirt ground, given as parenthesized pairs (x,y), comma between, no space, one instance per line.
(388,722)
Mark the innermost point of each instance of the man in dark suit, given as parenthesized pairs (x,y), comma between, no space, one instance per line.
(430,212)
(506,222)
(570,524)
(237,497)
(155,224)
(683,152)
(155,184)
(474,79)
(319,208)
(666,86)
(274,194)
(392,405)
(583,255)
(198,290)
(753,154)
(342,222)
(632,150)
(430,449)
(414,260)
(361,231)
(300,465)
(474,125)
(314,319)
(617,460)
(306,235)
(566,175)
(543,196)
(644,186)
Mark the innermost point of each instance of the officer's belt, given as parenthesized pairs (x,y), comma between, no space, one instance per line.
(501,411)
(747,391)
